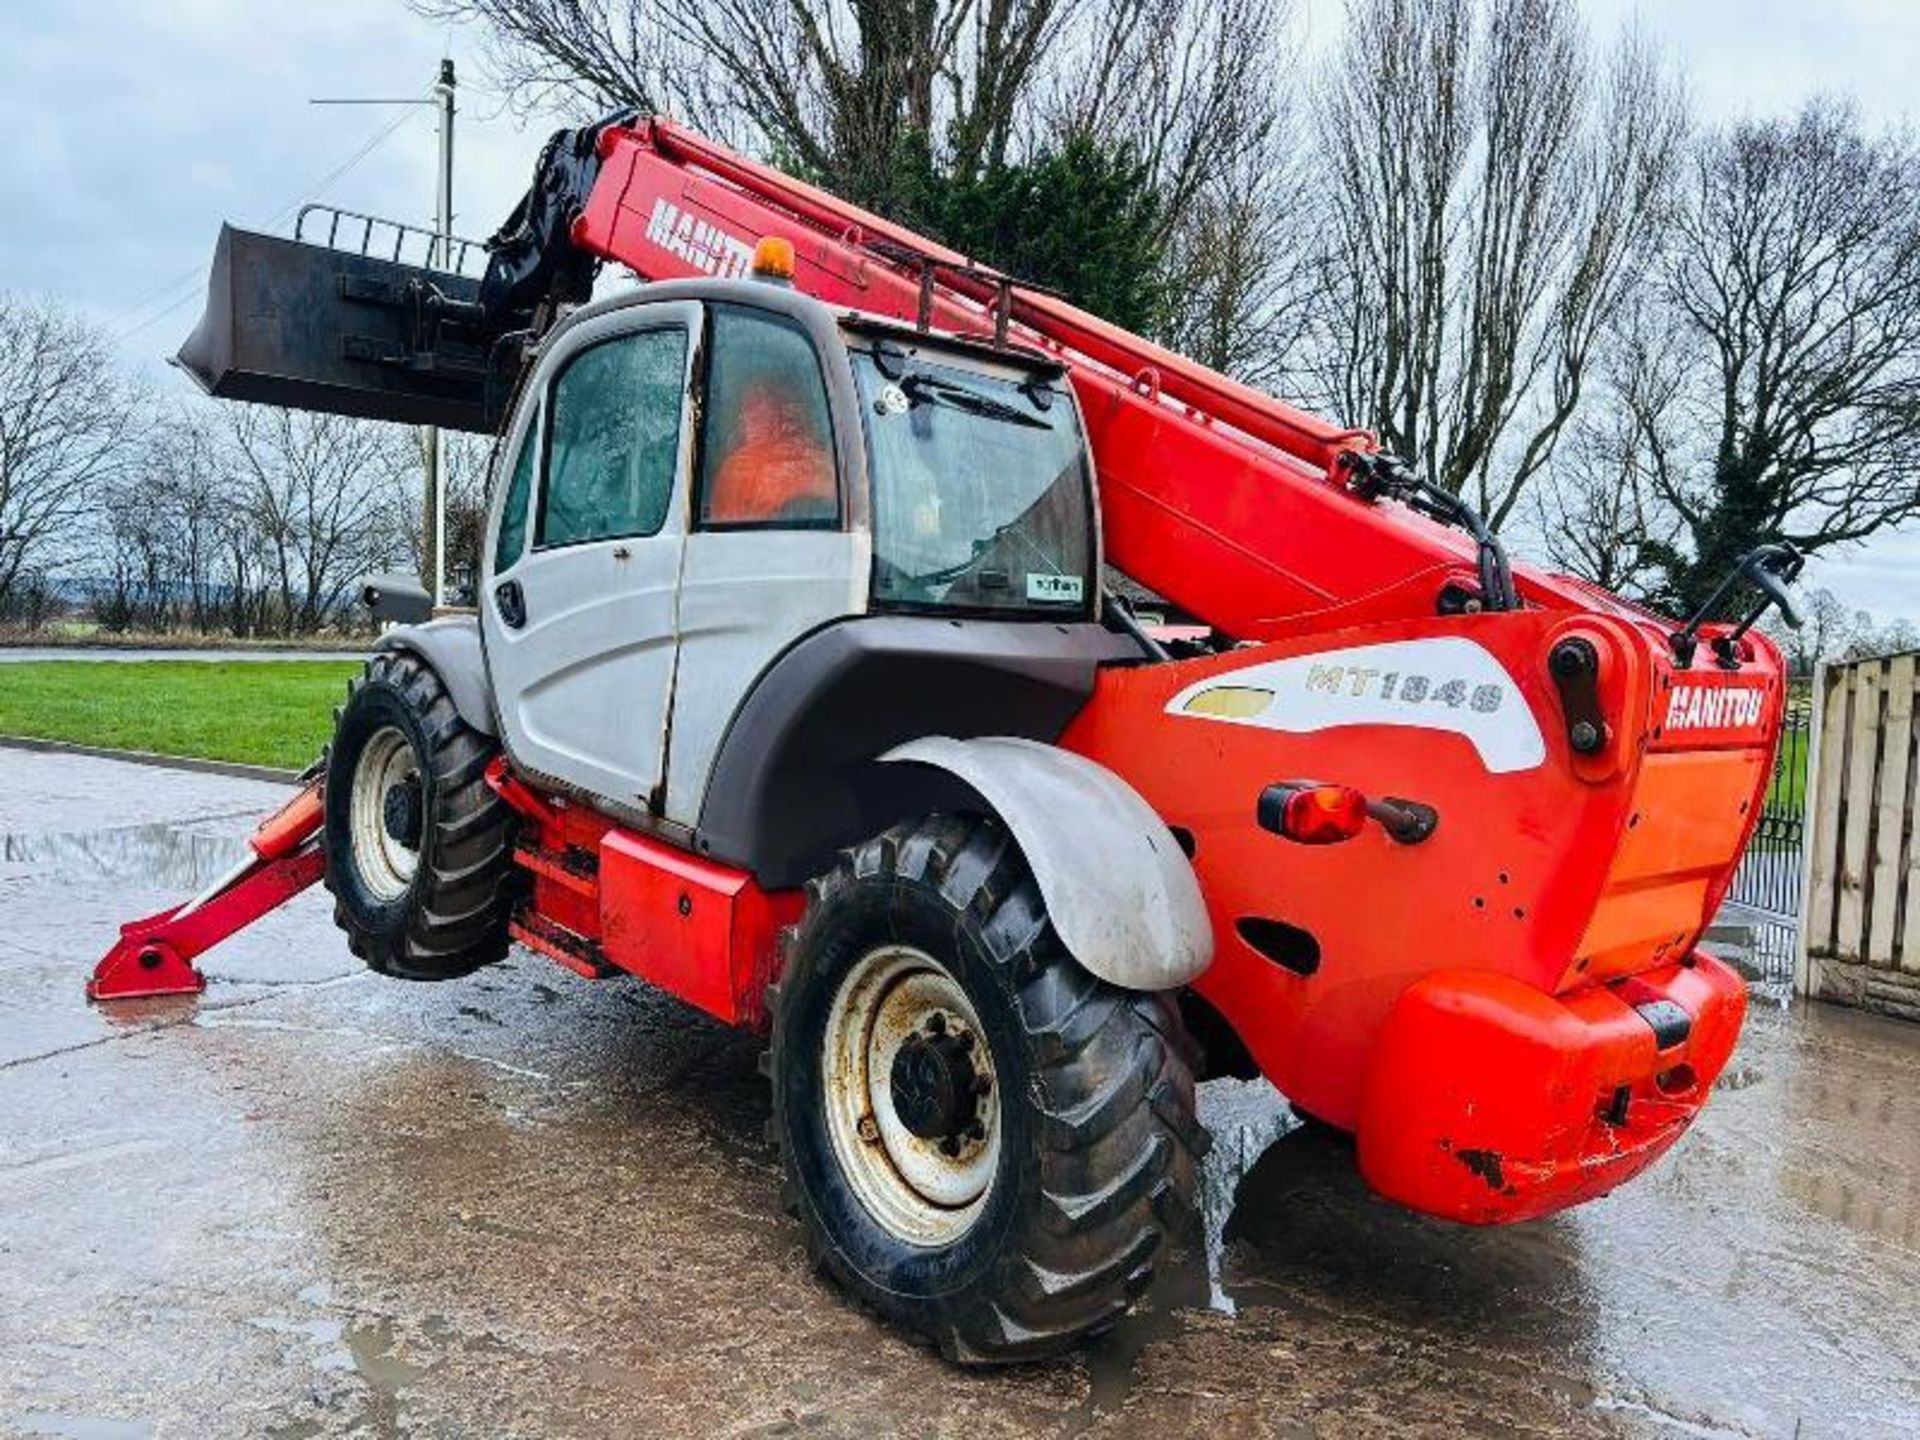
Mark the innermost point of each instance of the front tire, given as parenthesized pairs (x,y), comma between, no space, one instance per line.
(983,1142)
(419,848)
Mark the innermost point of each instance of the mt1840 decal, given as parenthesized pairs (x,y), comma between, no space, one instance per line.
(1446,683)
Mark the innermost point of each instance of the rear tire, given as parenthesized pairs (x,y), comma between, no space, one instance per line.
(419,848)
(1012,1226)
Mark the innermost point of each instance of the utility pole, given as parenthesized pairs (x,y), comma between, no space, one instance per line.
(439,253)
(436,526)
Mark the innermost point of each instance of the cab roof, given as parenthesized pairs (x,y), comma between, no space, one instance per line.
(812,314)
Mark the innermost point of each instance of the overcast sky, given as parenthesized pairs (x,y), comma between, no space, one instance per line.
(132,130)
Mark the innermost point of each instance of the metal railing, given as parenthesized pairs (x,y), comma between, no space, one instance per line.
(408,241)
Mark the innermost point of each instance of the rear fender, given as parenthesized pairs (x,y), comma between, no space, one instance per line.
(1117,886)
(451,645)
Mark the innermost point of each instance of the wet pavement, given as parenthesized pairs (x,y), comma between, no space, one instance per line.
(319,1203)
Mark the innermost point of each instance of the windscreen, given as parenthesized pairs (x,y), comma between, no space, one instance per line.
(982,498)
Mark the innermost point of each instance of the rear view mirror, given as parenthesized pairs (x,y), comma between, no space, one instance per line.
(396,599)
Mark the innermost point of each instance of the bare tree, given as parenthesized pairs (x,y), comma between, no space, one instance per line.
(164,552)
(1897,637)
(1601,517)
(1791,296)
(465,460)
(1493,185)
(1205,88)
(835,88)
(866,97)
(1829,632)
(69,423)
(1199,85)
(326,497)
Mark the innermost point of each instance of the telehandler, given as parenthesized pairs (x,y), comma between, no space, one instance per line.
(798,688)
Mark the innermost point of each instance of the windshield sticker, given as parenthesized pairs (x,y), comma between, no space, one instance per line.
(1440,684)
(893,401)
(1058,589)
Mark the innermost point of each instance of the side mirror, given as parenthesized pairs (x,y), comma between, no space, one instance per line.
(396,599)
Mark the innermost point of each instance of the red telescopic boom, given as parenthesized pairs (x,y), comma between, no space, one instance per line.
(1226,501)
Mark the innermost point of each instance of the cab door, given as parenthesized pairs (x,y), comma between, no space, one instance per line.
(773,553)
(580,599)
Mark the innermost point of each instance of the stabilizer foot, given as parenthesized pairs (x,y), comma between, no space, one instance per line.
(137,968)
(155,956)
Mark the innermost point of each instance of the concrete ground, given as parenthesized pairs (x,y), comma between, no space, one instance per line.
(315,1203)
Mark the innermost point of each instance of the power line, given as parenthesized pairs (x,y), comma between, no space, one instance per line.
(188,279)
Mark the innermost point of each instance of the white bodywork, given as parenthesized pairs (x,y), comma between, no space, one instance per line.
(1118,889)
(623,636)
(582,686)
(745,596)
(1447,683)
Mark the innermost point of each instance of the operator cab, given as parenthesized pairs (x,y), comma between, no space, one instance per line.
(701,473)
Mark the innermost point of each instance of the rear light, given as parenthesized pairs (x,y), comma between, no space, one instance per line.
(1313,814)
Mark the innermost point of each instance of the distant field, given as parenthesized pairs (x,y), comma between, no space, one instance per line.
(278,714)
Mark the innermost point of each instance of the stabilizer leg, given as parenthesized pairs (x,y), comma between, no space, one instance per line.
(154,956)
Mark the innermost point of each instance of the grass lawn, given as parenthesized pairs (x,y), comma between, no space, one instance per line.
(1788,792)
(278,713)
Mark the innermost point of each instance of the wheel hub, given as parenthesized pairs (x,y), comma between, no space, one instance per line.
(386,814)
(402,812)
(934,1085)
(913,1104)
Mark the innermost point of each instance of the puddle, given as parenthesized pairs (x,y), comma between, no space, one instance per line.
(318,1330)
(169,857)
(372,1346)
(364,1348)
(80,1427)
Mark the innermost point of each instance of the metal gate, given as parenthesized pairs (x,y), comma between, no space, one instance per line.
(1761,914)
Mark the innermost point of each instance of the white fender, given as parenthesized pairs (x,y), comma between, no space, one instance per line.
(1120,892)
(451,646)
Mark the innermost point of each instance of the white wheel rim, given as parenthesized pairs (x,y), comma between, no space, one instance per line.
(920,1192)
(386,865)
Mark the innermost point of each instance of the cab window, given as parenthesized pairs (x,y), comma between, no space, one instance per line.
(512,538)
(613,439)
(982,498)
(766,447)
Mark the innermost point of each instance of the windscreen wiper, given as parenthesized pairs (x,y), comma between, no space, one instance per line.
(922,388)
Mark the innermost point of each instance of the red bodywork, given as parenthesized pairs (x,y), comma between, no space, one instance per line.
(608,901)
(1510,1015)
(155,956)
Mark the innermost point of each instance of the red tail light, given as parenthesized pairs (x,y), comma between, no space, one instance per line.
(1313,814)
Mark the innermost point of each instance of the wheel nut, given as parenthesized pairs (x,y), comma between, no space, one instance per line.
(936,1024)
(869,1129)
(950,1147)
(976,1131)
(966,1040)
(982,1084)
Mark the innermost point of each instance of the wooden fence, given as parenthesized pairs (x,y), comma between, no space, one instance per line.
(1862,916)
